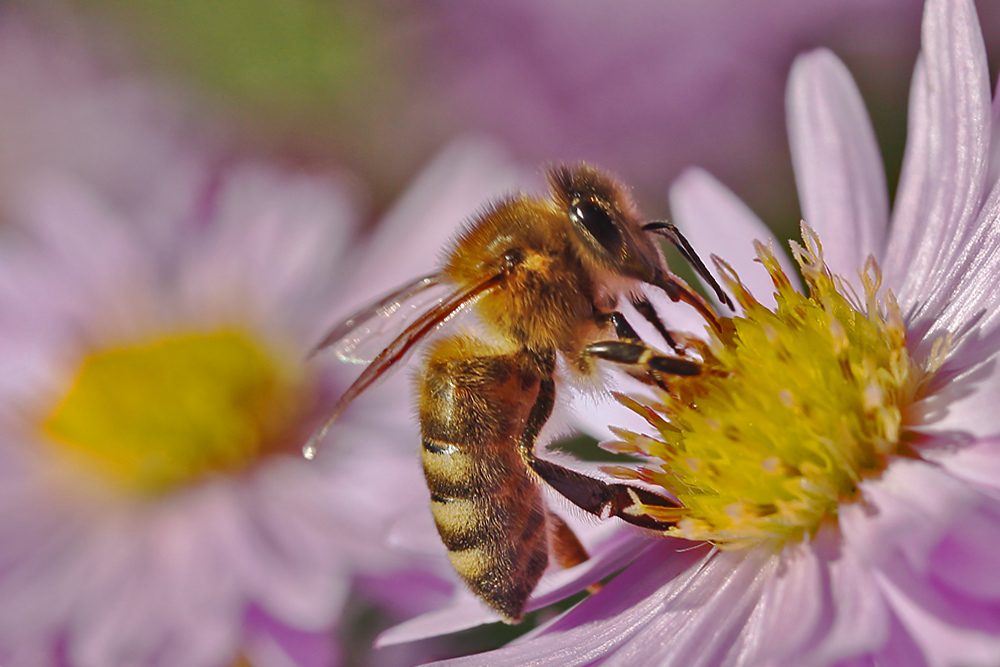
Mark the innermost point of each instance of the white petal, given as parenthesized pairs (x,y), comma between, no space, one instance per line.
(838,168)
(594,414)
(944,169)
(716,221)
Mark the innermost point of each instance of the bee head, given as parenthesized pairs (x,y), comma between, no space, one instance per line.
(605,221)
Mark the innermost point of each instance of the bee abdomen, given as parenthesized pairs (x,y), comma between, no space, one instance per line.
(488,509)
(496,542)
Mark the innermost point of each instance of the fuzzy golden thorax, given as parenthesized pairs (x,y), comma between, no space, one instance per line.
(547,301)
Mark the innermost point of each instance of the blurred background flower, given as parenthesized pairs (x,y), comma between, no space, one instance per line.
(158,295)
(644,88)
(174,168)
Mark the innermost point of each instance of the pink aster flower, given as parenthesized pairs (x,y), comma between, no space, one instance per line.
(155,508)
(839,458)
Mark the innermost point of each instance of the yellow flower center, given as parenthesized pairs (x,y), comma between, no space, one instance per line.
(149,418)
(794,408)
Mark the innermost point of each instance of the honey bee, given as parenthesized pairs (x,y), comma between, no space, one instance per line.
(544,276)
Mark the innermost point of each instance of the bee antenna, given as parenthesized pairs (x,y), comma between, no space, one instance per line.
(670,232)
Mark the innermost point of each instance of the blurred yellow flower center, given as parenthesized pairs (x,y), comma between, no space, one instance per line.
(149,418)
(793,409)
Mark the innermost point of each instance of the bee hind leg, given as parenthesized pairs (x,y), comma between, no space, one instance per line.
(603,499)
(592,495)
(566,546)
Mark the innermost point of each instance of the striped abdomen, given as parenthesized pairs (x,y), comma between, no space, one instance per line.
(489,511)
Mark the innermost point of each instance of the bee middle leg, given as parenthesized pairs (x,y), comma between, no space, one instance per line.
(635,355)
(592,495)
(631,352)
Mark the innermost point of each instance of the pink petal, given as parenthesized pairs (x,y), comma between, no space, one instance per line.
(966,559)
(465,611)
(937,627)
(838,167)
(860,620)
(905,514)
(663,598)
(978,464)
(793,607)
(931,539)
(462,613)
(272,644)
(899,648)
(944,170)
(964,407)
(994,172)
(717,222)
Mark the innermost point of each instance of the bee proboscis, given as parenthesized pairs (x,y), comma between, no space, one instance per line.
(544,276)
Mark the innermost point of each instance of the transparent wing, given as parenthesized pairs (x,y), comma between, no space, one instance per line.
(401,345)
(360,337)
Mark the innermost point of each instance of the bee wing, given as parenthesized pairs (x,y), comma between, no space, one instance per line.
(359,337)
(398,349)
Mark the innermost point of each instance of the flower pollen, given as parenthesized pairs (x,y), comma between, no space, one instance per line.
(793,408)
(151,417)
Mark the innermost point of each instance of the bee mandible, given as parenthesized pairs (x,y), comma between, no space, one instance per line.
(545,277)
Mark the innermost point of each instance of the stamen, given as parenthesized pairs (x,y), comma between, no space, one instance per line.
(794,408)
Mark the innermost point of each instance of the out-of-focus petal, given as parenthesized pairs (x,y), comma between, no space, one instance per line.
(943,626)
(944,169)
(272,644)
(457,184)
(293,228)
(965,560)
(838,167)
(715,221)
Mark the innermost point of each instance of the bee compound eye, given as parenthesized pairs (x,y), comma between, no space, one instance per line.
(596,219)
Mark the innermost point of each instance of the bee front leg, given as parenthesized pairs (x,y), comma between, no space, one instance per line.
(648,312)
(591,495)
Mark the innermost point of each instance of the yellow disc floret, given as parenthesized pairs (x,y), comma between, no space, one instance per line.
(794,408)
(150,417)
